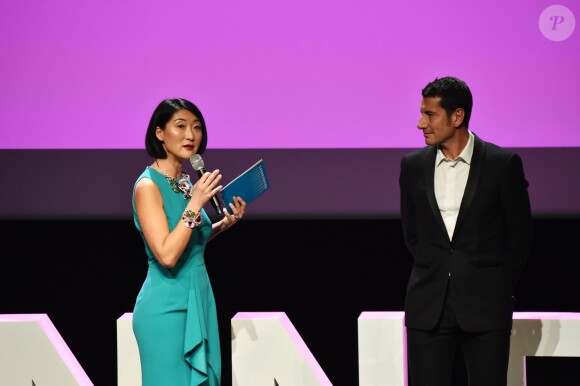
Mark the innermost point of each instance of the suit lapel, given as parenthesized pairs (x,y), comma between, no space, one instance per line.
(430,188)
(475,170)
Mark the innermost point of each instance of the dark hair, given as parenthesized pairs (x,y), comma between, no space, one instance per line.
(454,95)
(161,116)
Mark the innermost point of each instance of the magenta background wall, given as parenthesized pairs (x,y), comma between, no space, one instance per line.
(272,74)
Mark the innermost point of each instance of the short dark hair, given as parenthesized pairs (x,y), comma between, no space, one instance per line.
(161,116)
(454,94)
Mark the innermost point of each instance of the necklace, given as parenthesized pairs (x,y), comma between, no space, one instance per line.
(179,185)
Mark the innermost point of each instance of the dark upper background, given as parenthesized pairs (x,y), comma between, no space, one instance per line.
(97,184)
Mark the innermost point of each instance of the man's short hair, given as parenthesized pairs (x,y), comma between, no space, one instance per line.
(453,93)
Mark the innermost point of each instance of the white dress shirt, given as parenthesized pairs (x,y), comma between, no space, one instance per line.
(450,180)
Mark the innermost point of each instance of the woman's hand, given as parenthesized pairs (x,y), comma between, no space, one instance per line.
(204,189)
(238,209)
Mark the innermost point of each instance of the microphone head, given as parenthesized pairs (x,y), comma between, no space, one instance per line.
(196,162)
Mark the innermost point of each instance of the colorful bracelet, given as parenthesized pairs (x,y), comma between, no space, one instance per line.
(191,219)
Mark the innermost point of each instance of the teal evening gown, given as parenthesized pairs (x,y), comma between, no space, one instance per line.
(175,319)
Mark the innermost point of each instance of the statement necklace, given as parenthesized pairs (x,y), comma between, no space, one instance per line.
(179,185)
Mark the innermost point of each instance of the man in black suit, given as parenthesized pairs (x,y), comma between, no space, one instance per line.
(466,219)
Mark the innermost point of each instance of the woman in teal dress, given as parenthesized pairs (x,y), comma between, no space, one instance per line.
(174,318)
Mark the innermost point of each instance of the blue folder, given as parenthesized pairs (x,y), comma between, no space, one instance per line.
(249,185)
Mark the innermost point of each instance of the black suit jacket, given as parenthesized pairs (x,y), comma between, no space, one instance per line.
(490,245)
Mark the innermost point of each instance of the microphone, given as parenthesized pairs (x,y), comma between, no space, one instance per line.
(199,167)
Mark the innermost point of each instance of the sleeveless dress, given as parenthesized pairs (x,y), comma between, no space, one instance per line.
(175,319)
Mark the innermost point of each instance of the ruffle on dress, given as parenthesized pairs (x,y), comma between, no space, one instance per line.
(201,341)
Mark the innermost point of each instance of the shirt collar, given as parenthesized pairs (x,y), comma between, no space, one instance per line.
(464,156)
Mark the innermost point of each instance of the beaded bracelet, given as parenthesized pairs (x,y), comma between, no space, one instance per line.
(191,219)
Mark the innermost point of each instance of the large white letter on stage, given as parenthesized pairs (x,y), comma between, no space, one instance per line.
(267,350)
(32,352)
(128,360)
(541,334)
(382,358)
(382,344)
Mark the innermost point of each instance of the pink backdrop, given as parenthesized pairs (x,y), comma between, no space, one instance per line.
(283,74)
